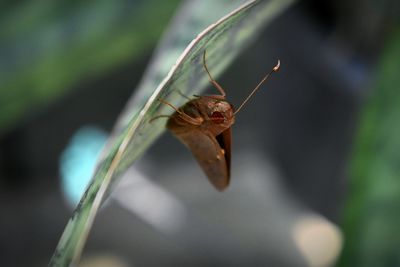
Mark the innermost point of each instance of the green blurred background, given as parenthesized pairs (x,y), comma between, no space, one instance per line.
(49,47)
(330,121)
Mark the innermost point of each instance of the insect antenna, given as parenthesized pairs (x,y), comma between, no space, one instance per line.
(274,69)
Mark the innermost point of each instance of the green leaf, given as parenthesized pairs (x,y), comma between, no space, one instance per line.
(222,40)
(371,214)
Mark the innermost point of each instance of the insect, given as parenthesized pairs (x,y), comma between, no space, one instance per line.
(204,125)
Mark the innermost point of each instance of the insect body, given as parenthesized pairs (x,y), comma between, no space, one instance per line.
(204,125)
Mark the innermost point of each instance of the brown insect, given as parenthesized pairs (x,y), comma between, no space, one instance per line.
(204,125)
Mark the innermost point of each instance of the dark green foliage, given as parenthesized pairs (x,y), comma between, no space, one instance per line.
(372,212)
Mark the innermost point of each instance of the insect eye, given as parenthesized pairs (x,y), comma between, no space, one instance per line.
(217,116)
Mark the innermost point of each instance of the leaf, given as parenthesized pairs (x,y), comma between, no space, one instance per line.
(371,216)
(223,40)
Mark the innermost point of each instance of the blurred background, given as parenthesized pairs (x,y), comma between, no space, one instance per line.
(315,173)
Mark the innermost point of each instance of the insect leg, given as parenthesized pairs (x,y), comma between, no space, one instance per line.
(157,117)
(183,95)
(169,104)
(214,82)
(183,115)
(194,121)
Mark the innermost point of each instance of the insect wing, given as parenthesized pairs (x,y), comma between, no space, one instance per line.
(209,154)
(225,142)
